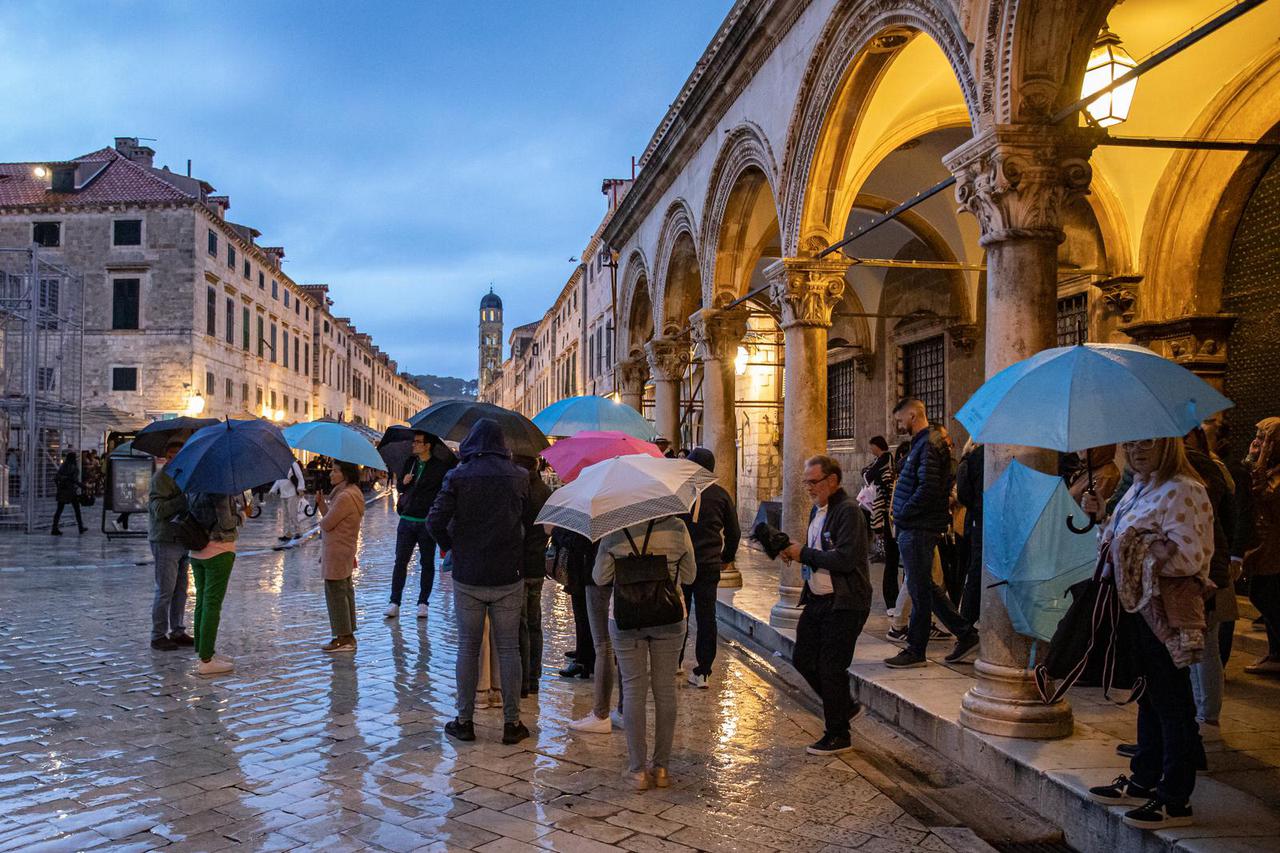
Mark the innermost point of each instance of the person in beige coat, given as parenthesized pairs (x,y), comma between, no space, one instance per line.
(341,511)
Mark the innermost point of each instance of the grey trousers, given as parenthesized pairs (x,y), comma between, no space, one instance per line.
(502,604)
(598,615)
(647,659)
(173,570)
(340,599)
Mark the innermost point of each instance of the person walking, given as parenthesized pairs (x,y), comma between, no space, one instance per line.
(881,473)
(67,491)
(715,535)
(419,484)
(647,654)
(835,601)
(1262,562)
(211,566)
(921,514)
(480,516)
(289,488)
(1158,545)
(535,574)
(164,502)
(340,516)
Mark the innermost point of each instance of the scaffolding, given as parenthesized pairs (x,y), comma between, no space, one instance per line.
(41,369)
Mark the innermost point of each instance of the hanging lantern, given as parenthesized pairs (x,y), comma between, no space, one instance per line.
(1107,62)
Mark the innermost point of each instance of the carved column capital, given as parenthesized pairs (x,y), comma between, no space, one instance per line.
(1017,178)
(807,290)
(668,358)
(717,333)
(633,373)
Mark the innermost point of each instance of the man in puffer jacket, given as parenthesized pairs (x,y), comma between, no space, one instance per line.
(715,536)
(480,516)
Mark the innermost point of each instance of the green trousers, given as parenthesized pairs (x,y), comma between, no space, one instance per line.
(340,597)
(211,578)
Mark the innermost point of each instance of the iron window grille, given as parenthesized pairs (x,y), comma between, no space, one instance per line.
(840,400)
(1073,319)
(924,375)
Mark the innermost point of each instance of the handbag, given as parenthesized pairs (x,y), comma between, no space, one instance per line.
(558,565)
(86,499)
(188,530)
(644,594)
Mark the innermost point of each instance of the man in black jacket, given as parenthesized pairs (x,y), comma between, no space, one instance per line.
(715,536)
(835,601)
(921,512)
(535,573)
(419,483)
(481,515)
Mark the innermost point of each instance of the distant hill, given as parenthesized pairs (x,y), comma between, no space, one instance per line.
(446,387)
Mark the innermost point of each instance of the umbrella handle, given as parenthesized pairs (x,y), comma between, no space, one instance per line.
(1071,524)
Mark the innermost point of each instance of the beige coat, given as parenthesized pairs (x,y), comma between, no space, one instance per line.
(340,529)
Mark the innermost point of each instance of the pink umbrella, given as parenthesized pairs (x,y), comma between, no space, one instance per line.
(569,456)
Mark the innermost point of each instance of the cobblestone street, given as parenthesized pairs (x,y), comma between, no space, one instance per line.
(107,744)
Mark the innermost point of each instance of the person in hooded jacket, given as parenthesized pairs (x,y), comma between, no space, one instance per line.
(715,535)
(480,516)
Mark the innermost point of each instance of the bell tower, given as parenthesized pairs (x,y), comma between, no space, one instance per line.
(490,344)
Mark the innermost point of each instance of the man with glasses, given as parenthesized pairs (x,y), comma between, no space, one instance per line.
(419,483)
(835,602)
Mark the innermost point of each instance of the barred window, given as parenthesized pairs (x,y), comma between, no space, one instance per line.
(840,420)
(1073,319)
(924,376)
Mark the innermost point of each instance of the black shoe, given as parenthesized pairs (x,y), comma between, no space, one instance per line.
(1121,792)
(830,745)
(963,647)
(524,692)
(163,644)
(83,529)
(513,732)
(905,660)
(575,670)
(533,689)
(183,639)
(1157,815)
(897,635)
(1126,750)
(458,730)
(571,654)
(55,532)
(936,633)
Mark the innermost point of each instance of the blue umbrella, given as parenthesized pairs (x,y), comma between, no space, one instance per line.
(1088,395)
(575,414)
(230,457)
(1026,547)
(337,441)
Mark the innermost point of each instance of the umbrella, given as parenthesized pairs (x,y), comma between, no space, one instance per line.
(572,415)
(1026,548)
(569,456)
(1088,395)
(337,441)
(230,457)
(396,446)
(155,436)
(453,419)
(627,490)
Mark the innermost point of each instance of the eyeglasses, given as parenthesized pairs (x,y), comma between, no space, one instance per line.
(1141,444)
(809,482)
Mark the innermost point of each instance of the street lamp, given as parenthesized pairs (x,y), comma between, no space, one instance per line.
(740,361)
(1108,62)
(195,405)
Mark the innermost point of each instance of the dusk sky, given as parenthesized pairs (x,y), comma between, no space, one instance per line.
(407,154)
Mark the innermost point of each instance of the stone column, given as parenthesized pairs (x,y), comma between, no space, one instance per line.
(1015,180)
(668,360)
(633,373)
(806,291)
(716,336)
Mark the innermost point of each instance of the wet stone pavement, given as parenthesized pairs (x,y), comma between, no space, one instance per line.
(105,744)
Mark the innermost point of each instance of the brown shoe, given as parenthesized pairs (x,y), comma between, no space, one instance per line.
(661,778)
(641,781)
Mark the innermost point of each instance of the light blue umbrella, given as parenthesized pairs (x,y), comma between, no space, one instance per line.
(337,441)
(598,414)
(1089,395)
(1027,548)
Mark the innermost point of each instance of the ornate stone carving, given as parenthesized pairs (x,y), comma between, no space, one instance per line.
(668,359)
(964,337)
(806,290)
(1016,180)
(633,373)
(1197,341)
(717,334)
(1119,294)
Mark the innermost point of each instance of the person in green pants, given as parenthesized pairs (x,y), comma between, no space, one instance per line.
(211,569)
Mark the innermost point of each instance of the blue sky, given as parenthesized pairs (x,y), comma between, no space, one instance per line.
(406,153)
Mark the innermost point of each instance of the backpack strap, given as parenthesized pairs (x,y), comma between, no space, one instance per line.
(634,551)
(644,549)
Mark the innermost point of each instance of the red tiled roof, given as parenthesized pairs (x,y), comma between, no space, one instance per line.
(121,181)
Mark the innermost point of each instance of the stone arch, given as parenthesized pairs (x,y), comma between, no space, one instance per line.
(854,48)
(677,285)
(636,296)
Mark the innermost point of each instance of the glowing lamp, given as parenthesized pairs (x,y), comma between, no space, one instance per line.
(1108,62)
(195,405)
(740,361)
(40,172)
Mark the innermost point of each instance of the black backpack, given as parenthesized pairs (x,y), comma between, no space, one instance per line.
(644,594)
(189,531)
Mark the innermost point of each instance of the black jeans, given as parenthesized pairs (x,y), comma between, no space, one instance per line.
(971,598)
(927,598)
(75,507)
(1169,745)
(825,639)
(1264,592)
(584,647)
(700,600)
(408,535)
(531,634)
(889,582)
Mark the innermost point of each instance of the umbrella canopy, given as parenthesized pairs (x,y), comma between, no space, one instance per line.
(155,436)
(1025,544)
(569,456)
(337,441)
(1088,395)
(573,415)
(453,419)
(230,457)
(627,490)
(396,446)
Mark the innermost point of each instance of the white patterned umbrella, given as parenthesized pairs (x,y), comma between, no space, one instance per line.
(623,491)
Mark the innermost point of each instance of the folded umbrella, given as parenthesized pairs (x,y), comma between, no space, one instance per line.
(453,419)
(337,441)
(627,490)
(569,456)
(155,436)
(573,415)
(231,456)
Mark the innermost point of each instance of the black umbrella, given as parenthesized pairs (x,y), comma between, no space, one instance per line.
(396,446)
(155,436)
(453,419)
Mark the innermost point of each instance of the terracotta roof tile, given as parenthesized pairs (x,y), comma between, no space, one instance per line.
(121,181)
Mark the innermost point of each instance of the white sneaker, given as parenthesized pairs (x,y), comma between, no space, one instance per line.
(213,666)
(223,658)
(422,611)
(699,681)
(392,611)
(592,724)
(615,719)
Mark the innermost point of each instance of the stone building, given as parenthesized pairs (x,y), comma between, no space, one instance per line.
(184,310)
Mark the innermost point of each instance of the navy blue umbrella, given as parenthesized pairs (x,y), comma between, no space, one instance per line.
(230,457)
